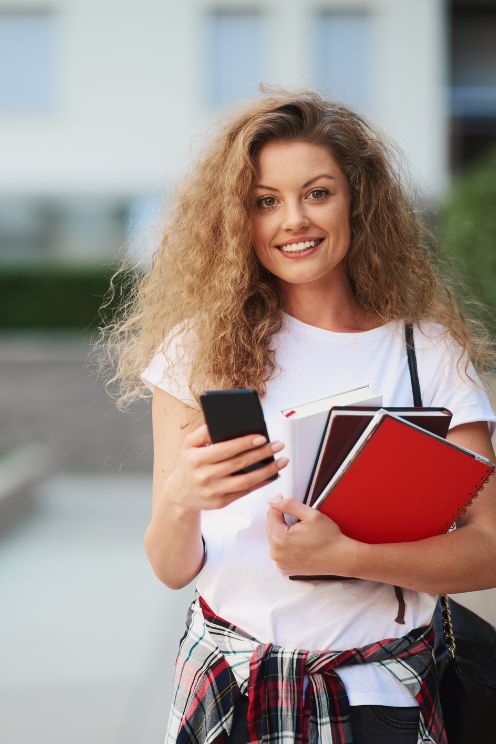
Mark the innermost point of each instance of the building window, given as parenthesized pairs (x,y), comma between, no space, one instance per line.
(345,57)
(236,51)
(27,62)
(473,81)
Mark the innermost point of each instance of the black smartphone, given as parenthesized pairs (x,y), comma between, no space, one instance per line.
(235,413)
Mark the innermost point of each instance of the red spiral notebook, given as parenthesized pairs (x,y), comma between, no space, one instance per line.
(345,425)
(401,483)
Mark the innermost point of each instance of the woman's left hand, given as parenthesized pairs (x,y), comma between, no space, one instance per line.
(313,546)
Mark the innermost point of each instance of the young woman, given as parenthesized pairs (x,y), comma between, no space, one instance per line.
(290,263)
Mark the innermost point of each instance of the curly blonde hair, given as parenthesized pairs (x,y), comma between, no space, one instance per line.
(205,274)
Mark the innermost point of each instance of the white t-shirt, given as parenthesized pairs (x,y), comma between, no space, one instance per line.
(239,580)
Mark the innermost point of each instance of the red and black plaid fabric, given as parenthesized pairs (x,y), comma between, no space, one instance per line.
(217,662)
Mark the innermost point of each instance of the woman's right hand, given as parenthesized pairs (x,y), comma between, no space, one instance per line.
(203,477)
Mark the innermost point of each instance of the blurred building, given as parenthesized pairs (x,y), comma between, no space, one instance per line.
(472,57)
(104,104)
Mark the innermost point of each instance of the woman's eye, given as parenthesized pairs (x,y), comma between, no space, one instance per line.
(267,202)
(321,194)
(262,203)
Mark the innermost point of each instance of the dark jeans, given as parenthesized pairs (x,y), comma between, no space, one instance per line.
(370,724)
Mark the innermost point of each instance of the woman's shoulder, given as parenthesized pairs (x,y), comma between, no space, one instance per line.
(448,377)
(442,360)
(170,365)
(435,340)
(430,329)
(178,344)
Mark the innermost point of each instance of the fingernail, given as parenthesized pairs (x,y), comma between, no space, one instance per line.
(277,446)
(275,499)
(258,441)
(282,462)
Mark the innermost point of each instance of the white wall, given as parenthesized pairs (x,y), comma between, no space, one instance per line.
(409,70)
(132,106)
(412,73)
(126,102)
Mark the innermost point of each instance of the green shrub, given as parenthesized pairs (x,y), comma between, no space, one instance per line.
(468,228)
(47,297)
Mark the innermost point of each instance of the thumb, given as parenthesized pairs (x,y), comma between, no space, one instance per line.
(292,506)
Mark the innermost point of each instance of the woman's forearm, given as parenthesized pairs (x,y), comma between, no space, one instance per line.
(173,544)
(460,561)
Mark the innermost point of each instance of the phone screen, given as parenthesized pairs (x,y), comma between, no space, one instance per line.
(235,413)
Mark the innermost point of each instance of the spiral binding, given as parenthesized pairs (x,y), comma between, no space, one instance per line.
(468,502)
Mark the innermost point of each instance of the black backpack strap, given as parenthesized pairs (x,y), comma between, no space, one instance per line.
(442,615)
(417,401)
(412,364)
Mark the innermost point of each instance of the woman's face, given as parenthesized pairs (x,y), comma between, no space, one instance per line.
(301,213)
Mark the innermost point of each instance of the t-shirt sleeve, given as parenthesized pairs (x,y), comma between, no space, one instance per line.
(170,367)
(449,382)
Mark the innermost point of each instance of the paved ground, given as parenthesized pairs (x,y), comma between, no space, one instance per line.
(50,394)
(89,635)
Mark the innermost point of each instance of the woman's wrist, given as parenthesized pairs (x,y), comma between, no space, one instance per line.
(171,502)
(355,556)
(173,508)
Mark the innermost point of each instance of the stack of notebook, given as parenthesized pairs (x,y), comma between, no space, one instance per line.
(383,474)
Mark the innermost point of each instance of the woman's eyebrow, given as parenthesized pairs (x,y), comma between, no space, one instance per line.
(315,178)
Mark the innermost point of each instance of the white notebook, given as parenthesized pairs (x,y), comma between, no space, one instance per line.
(303,428)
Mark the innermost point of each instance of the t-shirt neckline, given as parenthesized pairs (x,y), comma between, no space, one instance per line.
(322,333)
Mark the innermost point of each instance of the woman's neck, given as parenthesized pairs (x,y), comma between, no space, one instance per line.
(333,309)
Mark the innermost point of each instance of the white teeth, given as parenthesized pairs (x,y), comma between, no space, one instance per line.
(293,247)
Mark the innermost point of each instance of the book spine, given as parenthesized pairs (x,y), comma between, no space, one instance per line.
(374,424)
(288,474)
(471,498)
(309,491)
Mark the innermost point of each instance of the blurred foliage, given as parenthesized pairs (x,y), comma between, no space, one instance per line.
(468,228)
(53,297)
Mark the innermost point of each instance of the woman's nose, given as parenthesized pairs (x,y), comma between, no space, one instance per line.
(294,218)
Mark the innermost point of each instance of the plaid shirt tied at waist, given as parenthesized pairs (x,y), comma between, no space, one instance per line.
(217,662)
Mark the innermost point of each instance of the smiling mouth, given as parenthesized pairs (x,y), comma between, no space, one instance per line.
(304,245)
